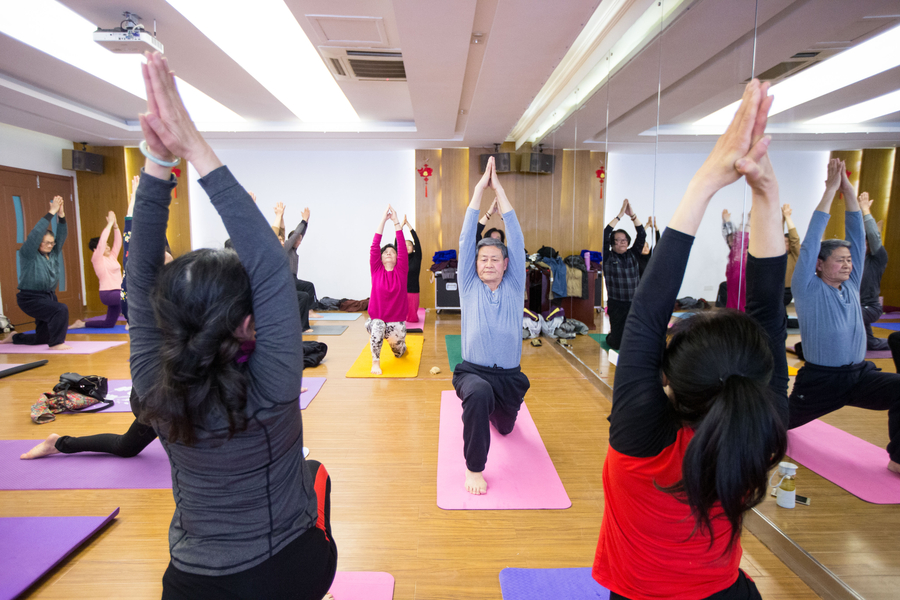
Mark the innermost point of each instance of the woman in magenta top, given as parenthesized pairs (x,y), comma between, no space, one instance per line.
(388,304)
(109,272)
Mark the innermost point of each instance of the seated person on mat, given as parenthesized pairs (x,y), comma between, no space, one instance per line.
(251,515)
(826,289)
(621,268)
(870,287)
(306,291)
(106,264)
(736,267)
(388,304)
(697,422)
(489,380)
(414,258)
(39,265)
(493,232)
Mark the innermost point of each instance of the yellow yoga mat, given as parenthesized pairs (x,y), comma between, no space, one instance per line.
(792,371)
(391,366)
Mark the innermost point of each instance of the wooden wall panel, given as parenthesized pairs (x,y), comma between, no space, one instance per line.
(178,231)
(835,228)
(428,220)
(455,194)
(875,176)
(597,208)
(890,283)
(97,195)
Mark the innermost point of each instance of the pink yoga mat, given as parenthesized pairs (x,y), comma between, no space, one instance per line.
(519,472)
(362,585)
(85,471)
(845,460)
(418,324)
(32,546)
(312,385)
(77,348)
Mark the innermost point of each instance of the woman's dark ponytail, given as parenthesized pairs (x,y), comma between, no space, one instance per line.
(199,301)
(719,369)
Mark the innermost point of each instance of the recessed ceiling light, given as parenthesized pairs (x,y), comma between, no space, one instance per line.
(864,60)
(71,41)
(264,38)
(864,111)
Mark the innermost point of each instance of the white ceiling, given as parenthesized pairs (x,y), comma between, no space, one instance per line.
(704,58)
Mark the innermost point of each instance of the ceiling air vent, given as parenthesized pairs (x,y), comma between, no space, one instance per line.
(364,64)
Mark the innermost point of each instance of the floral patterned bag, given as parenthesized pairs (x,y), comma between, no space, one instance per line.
(43,410)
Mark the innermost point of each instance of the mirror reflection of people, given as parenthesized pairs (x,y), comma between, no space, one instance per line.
(105,260)
(489,380)
(697,422)
(647,250)
(388,304)
(39,268)
(306,290)
(826,288)
(414,256)
(251,515)
(736,268)
(493,232)
(621,269)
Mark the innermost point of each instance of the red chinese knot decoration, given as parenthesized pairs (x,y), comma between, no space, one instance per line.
(177,172)
(601,175)
(425,172)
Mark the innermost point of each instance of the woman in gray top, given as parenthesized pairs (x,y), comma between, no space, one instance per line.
(207,333)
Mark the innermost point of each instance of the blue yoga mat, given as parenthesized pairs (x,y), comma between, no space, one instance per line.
(336,317)
(540,584)
(884,325)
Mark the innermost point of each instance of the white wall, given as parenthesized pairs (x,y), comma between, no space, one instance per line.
(346,192)
(24,149)
(801,177)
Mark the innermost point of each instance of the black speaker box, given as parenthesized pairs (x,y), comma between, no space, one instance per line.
(501,161)
(537,163)
(77,160)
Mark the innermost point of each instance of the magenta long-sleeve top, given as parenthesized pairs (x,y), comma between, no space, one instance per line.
(388,300)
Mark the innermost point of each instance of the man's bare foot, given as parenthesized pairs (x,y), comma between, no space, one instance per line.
(328,596)
(302,390)
(475,483)
(7,339)
(61,347)
(79,324)
(376,367)
(895,467)
(126,325)
(45,448)
(314,315)
(310,330)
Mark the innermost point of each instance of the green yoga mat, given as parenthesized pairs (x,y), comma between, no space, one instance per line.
(454,350)
(600,338)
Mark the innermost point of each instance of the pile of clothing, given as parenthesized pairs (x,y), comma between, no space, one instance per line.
(553,324)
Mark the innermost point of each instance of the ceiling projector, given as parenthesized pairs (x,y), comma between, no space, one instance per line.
(127,41)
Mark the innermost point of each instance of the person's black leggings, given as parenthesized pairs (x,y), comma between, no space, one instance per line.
(129,444)
(302,570)
(894,343)
(618,314)
(51,318)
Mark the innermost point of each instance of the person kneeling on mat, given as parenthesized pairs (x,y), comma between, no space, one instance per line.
(388,305)
(489,380)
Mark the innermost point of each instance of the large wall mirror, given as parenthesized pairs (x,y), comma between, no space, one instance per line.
(649,125)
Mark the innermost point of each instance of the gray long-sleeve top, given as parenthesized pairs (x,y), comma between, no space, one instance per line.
(831,324)
(492,321)
(876,263)
(39,272)
(291,247)
(238,501)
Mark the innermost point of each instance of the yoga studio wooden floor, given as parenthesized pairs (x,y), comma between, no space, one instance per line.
(379,440)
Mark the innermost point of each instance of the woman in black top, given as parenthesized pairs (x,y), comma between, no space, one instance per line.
(414,253)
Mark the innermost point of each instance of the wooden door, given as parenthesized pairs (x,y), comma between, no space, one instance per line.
(26,197)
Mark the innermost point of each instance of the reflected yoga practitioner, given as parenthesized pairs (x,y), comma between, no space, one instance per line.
(622,270)
(698,421)
(826,289)
(388,305)
(489,380)
(251,515)
(414,257)
(736,269)
(39,267)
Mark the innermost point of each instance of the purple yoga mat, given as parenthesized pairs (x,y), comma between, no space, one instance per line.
(32,546)
(540,584)
(886,325)
(845,460)
(121,319)
(77,348)
(313,385)
(85,471)
(113,329)
(878,354)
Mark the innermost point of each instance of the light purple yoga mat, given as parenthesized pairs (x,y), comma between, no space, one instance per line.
(32,546)
(540,584)
(312,385)
(845,460)
(878,354)
(85,471)
(886,325)
(77,348)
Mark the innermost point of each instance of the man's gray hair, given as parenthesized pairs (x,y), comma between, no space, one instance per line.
(829,246)
(489,241)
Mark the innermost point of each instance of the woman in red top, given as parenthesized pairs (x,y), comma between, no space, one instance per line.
(697,424)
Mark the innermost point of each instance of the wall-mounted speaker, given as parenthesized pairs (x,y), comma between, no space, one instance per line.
(77,160)
(501,161)
(537,163)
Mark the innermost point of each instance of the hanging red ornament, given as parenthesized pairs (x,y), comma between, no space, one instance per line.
(601,175)
(425,172)
(177,172)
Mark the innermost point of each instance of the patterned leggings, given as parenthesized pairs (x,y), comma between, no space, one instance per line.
(394,332)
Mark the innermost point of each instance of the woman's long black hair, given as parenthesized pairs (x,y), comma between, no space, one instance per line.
(718,366)
(200,299)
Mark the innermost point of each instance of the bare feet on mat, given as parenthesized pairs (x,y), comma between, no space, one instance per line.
(475,483)
(7,339)
(310,330)
(126,325)
(45,448)
(892,466)
(302,390)
(328,596)
(79,324)
(376,367)
(61,347)
(314,315)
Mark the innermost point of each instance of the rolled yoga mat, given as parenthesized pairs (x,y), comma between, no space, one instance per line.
(391,367)
(540,584)
(332,316)
(417,325)
(32,546)
(845,460)
(84,471)
(327,330)
(519,471)
(11,369)
(76,348)
(362,585)
(454,350)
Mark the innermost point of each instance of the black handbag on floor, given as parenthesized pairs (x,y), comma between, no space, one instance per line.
(89,385)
